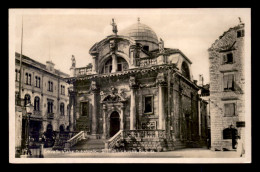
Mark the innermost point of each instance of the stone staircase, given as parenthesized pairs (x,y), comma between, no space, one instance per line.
(90,144)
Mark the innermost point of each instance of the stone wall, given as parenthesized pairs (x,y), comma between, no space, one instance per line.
(218,97)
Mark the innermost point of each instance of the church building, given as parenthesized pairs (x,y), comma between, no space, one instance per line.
(135,85)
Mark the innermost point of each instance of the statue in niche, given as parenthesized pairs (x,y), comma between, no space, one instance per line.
(73,60)
(161,46)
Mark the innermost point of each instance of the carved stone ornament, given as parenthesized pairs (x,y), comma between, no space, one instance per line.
(160,79)
(132,82)
(113,96)
(93,86)
(112,45)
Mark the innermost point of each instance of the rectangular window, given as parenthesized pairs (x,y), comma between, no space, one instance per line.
(228,58)
(148,104)
(230,109)
(240,33)
(228,82)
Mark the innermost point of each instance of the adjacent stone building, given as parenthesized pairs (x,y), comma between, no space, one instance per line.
(135,84)
(227,82)
(45,87)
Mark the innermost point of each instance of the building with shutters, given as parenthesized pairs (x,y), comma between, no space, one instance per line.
(227,85)
(45,88)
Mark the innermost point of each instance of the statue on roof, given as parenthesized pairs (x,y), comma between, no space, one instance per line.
(161,46)
(114,26)
(73,60)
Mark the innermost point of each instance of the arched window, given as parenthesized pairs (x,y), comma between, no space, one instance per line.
(62,128)
(62,109)
(17,74)
(229,133)
(108,66)
(27,99)
(122,65)
(37,81)
(28,77)
(185,70)
(36,103)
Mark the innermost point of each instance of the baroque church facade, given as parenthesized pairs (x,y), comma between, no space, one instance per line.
(135,84)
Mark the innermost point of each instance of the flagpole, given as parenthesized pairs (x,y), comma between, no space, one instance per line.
(20,76)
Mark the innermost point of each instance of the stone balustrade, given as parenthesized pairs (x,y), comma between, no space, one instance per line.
(62,138)
(83,71)
(147,62)
(110,144)
(136,137)
(74,140)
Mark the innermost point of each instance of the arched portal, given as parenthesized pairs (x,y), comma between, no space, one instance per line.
(62,128)
(114,123)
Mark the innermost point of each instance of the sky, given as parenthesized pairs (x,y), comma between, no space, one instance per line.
(57,34)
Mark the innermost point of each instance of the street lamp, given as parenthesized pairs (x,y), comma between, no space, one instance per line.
(29,110)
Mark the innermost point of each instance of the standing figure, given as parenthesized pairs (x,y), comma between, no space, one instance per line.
(114,27)
(161,46)
(73,61)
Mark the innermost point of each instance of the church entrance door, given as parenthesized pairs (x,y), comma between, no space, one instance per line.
(114,123)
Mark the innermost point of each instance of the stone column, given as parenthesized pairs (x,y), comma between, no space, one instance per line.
(94,70)
(104,122)
(161,84)
(114,63)
(161,108)
(94,113)
(132,110)
(122,118)
(133,86)
(94,109)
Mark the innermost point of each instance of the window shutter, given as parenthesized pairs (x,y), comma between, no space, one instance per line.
(242,33)
(225,81)
(224,58)
(230,81)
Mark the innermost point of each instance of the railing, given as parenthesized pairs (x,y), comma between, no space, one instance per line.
(134,135)
(74,140)
(50,115)
(147,62)
(83,71)
(110,144)
(36,114)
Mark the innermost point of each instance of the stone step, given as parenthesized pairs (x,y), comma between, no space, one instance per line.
(90,144)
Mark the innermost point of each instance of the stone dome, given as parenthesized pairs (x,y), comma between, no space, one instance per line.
(140,32)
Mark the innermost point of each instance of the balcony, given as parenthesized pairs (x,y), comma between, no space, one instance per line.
(50,115)
(36,115)
(147,62)
(83,71)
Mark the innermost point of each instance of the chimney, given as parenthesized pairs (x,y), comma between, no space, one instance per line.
(50,66)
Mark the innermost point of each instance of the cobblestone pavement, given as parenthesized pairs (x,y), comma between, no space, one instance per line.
(181,153)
